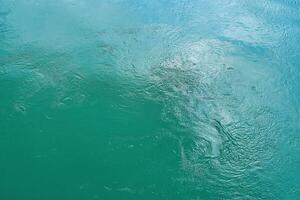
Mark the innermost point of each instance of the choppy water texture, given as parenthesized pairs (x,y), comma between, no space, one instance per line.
(149,99)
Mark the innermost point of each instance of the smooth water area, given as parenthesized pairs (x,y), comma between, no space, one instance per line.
(149,99)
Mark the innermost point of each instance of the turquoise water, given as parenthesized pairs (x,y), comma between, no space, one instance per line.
(149,99)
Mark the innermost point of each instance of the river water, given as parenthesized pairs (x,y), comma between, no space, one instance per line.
(149,99)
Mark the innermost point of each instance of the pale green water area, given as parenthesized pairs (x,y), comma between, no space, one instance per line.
(149,99)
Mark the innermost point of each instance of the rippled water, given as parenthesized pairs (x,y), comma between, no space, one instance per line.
(149,99)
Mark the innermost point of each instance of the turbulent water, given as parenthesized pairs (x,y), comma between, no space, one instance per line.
(149,99)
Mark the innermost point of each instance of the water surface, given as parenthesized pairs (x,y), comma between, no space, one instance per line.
(160,99)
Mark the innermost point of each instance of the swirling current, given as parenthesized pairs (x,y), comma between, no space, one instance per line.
(149,99)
